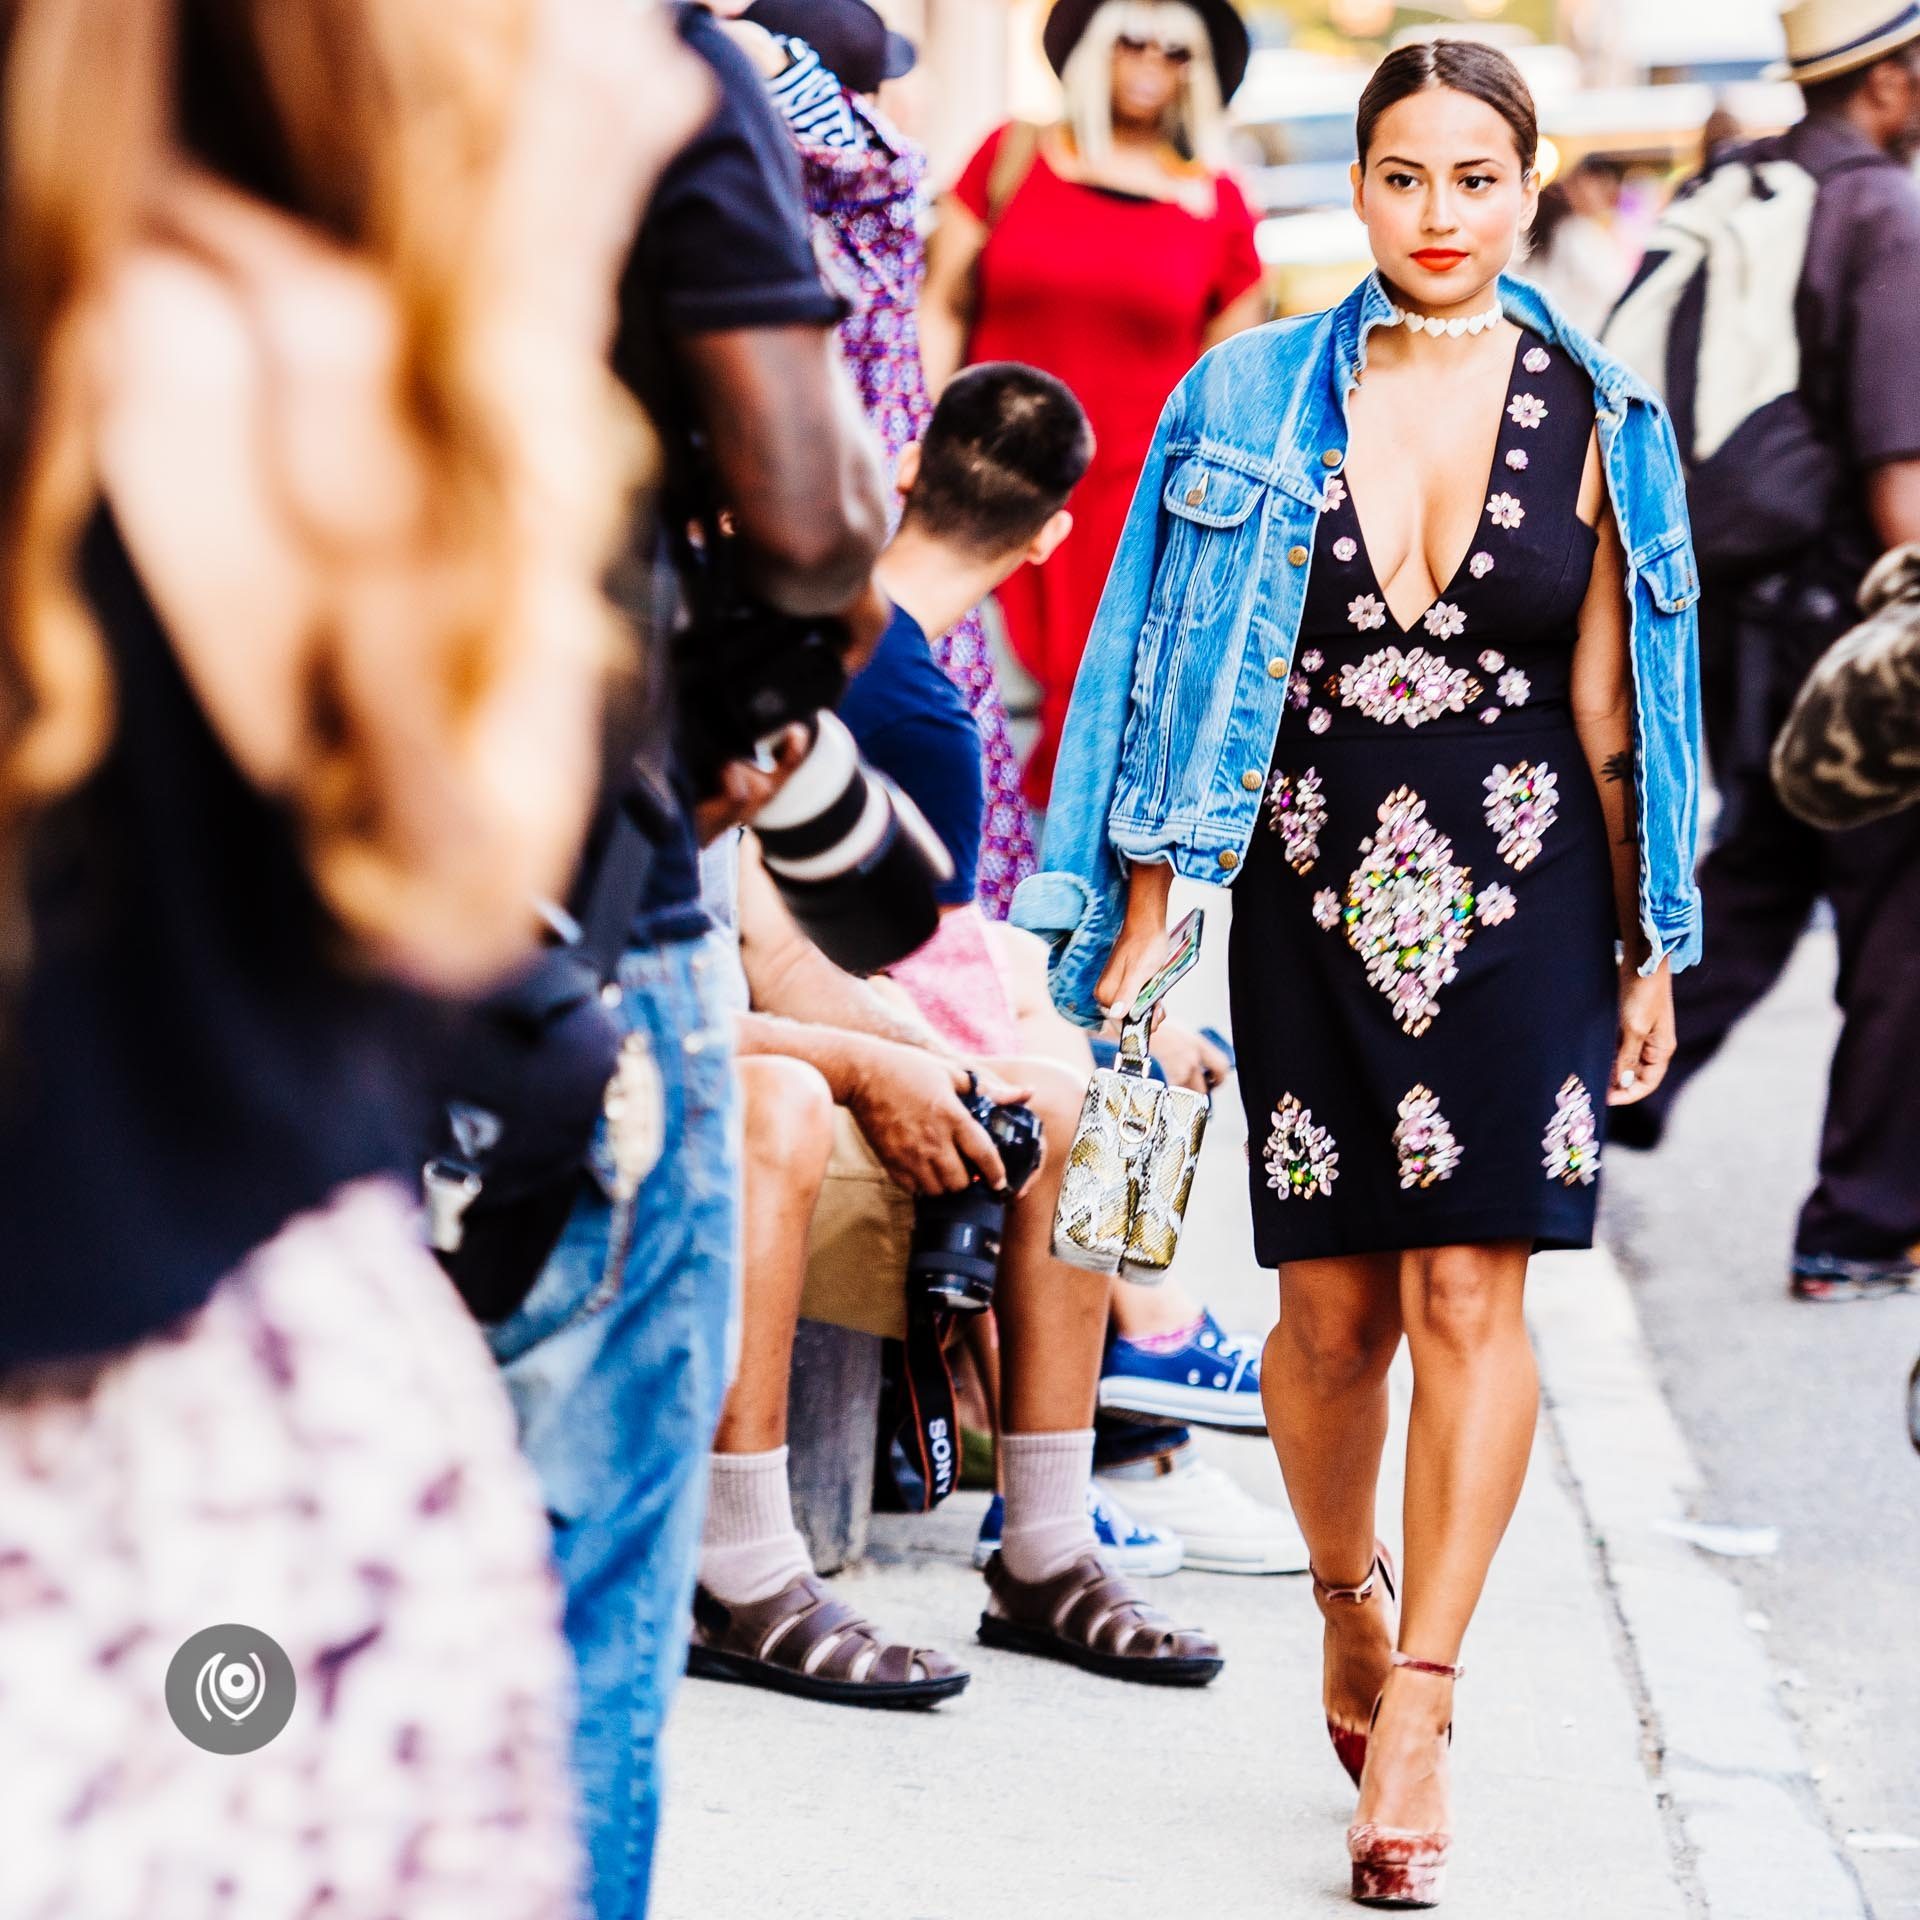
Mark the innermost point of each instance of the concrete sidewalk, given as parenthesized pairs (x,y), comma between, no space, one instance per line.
(1046,1792)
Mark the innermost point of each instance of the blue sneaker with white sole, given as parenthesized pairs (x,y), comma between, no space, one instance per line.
(1211,1380)
(1125,1545)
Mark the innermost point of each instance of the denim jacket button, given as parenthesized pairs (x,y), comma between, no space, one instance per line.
(1297,556)
(1197,492)
(1252,781)
(1229,860)
(1332,457)
(1276,669)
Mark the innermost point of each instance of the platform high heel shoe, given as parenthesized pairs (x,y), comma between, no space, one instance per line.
(1350,1743)
(1393,1867)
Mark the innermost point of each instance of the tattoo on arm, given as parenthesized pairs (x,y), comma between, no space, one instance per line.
(1617,766)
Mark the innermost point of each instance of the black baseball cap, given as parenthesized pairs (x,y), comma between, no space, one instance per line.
(848,35)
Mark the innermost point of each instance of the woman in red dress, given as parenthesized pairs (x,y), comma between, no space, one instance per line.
(1111,251)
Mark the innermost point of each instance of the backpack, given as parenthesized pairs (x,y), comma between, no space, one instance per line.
(1711,323)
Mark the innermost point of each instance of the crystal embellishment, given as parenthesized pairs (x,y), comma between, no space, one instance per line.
(1497,906)
(1367,611)
(1506,511)
(1527,410)
(1424,1142)
(1411,688)
(1480,565)
(1572,1140)
(1345,548)
(1538,360)
(1517,459)
(1319,720)
(1492,662)
(1326,909)
(1301,1158)
(1515,688)
(1409,910)
(1335,496)
(1445,622)
(1297,812)
(1312,660)
(1522,802)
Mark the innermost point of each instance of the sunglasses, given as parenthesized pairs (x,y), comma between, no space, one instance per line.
(1174,56)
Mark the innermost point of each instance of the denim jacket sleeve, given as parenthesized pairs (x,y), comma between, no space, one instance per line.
(1076,903)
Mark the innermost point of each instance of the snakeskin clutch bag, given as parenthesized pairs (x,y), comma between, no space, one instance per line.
(1130,1168)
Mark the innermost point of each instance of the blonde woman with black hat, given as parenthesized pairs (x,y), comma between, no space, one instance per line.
(1110,250)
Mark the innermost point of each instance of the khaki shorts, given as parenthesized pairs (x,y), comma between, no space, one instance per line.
(857,1249)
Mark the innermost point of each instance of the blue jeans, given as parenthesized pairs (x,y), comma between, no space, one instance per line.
(617,1368)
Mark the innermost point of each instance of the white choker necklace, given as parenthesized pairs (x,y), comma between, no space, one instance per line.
(1455,328)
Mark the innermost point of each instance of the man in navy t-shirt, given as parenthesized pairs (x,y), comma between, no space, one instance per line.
(1004,446)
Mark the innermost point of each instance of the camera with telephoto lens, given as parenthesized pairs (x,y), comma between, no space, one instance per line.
(853,857)
(955,1258)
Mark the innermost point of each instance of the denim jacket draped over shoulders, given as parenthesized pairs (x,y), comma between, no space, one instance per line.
(1180,695)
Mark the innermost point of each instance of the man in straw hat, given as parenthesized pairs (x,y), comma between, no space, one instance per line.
(1858,317)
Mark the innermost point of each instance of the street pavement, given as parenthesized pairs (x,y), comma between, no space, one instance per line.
(1622,1750)
(1794,1414)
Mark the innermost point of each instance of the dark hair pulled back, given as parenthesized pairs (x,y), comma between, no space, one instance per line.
(1467,66)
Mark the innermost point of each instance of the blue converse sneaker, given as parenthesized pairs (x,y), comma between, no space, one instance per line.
(1212,1380)
(1125,1545)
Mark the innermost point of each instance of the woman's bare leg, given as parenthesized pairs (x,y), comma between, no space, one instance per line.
(1324,1383)
(1476,1399)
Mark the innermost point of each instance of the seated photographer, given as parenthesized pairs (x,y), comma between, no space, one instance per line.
(985,493)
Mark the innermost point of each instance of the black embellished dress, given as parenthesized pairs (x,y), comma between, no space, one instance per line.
(1425,1000)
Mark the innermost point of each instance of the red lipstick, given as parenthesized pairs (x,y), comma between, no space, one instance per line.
(1439,259)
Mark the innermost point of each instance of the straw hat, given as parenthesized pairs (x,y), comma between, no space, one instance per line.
(1826,38)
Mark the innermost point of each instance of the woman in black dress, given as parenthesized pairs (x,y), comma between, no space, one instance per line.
(1430,1010)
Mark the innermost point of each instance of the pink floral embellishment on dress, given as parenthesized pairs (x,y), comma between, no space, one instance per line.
(1517,459)
(1299,691)
(1522,802)
(1538,360)
(1515,688)
(1506,511)
(1492,662)
(1312,660)
(1301,1159)
(1335,496)
(1445,622)
(1497,906)
(1297,812)
(1319,720)
(1527,410)
(1409,911)
(1572,1140)
(1425,1143)
(1480,565)
(1345,547)
(1488,715)
(1367,612)
(1413,687)
(1326,909)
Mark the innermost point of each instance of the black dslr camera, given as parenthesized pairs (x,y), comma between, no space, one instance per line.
(955,1258)
(853,857)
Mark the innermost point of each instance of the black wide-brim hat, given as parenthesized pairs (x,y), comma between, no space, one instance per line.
(1232,45)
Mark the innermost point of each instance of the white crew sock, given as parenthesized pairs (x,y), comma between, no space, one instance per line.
(750,1549)
(1047,1476)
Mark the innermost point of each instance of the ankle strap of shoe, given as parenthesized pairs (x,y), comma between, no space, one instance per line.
(1429,1666)
(1364,1591)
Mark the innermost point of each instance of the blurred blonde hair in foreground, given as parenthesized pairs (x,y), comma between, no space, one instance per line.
(382,127)
(1197,121)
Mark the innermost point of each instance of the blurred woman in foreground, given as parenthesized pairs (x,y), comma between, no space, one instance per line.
(307,480)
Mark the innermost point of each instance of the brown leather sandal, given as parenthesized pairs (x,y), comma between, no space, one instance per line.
(1090,1617)
(803,1640)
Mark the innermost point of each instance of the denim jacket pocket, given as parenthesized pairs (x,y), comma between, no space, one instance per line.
(1207,504)
(1671,576)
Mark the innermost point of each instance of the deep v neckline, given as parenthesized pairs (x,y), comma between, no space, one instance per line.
(1407,629)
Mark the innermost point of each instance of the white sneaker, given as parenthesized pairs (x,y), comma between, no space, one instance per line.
(1223,1528)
